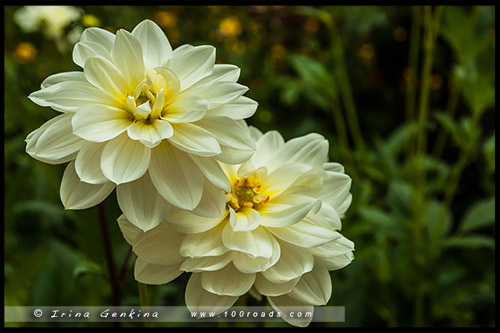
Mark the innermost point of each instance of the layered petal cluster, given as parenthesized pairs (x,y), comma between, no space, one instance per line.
(277,234)
(150,121)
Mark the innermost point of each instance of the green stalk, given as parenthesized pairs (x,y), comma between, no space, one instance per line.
(430,32)
(345,87)
(430,29)
(431,26)
(413,65)
(144,300)
(342,135)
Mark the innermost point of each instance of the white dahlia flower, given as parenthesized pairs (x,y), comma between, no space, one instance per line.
(147,120)
(277,236)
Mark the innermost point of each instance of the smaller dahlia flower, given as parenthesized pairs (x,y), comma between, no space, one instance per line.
(277,234)
(150,121)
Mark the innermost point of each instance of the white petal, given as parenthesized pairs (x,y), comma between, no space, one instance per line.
(204,264)
(84,50)
(103,74)
(336,190)
(212,203)
(186,110)
(198,299)
(212,171)
(257,134)
(245,219)
(306,233)
(337,262)
(124,160)
(186,222)
(311,181)
(229,132)
(144,109)
(335,254)
(333,166)
(286,305)
(70,96)
(327,217)
(293,262)
(268,288)
(267,146)
(255,243)
(208,243)
(227,281)
(63,77)
(343,207)
(150,133)
(147,273)
(315,287)
(172,83)
(232,155)
(248,264)
(284,176)
(218,93)
(99,123)
(194,140)
(176,177)
(240,108)
(79,195)
(129,231)
(221,72)
(141,203)
(340,245)
(127,55)
(311,149)
(98,35)
(192,63)
(159,245)
(155,45)
(284,216)
(54,141)
(88,163)
(255,294)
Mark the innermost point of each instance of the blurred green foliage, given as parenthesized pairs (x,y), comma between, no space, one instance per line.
(423,214)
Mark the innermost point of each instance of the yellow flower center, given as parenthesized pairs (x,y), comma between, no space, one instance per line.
(148,101)
(245,192)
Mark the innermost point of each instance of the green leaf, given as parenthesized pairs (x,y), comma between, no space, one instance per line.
(470,242)
(86,267)
(384,222)
(400,137)
(433,212)
(317,84)
(400,196)
(449,125)
(480,215)
(376,216)
(489,152)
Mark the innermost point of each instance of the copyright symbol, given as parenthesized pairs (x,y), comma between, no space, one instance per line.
(38,313)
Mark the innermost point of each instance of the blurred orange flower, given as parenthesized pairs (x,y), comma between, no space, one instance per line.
(166,18)
(25,52)
(230,26)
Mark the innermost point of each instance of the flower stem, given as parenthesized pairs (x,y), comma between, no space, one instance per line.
(113,280)
(431,28)
(413,64)
(345,87)
(123,270)
(144,300)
